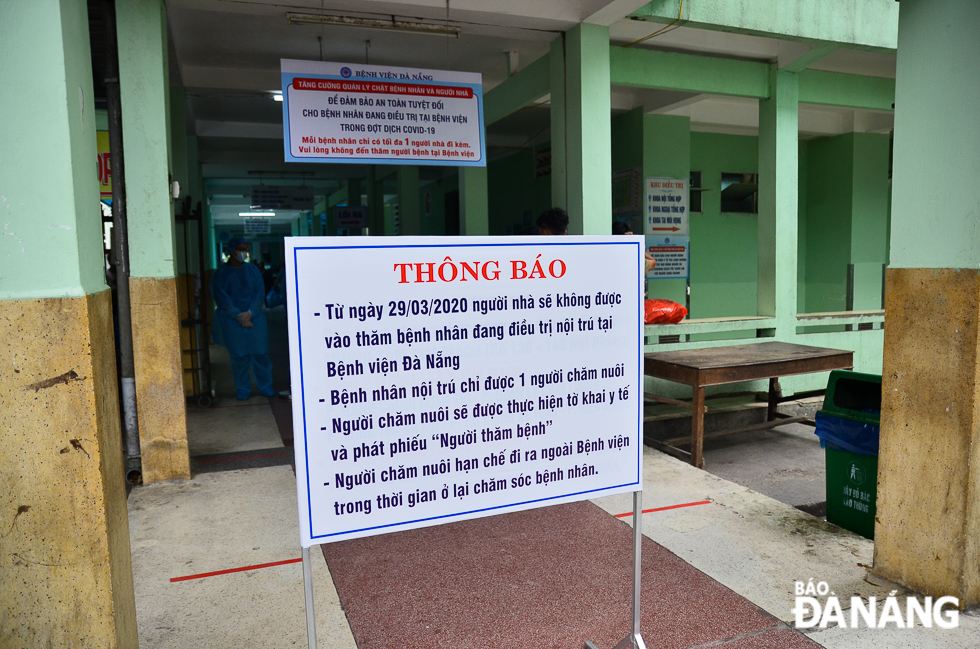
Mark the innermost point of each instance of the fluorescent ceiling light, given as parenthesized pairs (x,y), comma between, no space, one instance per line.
(276,95)
(374,23)
(256,214)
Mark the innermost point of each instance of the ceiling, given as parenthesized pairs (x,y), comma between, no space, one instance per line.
(226,54)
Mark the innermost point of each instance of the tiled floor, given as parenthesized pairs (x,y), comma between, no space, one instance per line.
(716,575)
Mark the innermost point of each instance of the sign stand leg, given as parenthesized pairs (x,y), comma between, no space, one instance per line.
(634,640)
(308,587)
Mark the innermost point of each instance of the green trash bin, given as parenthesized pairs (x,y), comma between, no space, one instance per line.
(848,426)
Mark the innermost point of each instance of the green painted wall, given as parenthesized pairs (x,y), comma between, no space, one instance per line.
(50,223)
(724,260)
(474,214)
(936,196)
(434,223)
(513,191)
(627,140)
(846,220)
(869,224)
(830,167)
(143,85)
(409,209)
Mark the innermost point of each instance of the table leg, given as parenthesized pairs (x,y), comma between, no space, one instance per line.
(697,428)
(775,393)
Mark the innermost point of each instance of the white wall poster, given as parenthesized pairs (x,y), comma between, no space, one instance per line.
(673,255)
(376,114)
(666,209)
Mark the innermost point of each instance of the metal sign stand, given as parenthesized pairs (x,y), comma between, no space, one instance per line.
(308,587)
(632,641)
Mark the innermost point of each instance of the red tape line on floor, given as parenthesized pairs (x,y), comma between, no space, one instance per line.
(230,570)
(245,457)
(661,509)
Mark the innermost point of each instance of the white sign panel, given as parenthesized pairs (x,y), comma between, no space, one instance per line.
(666,210)
(273,197)
(673,256)
(257,224)
(371,114)
(350,216)
(440,382)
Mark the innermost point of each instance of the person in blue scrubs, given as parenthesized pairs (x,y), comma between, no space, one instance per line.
(239,324)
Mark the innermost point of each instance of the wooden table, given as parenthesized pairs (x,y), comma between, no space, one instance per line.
(700,368)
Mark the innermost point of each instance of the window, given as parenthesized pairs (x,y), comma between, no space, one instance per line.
(739,193)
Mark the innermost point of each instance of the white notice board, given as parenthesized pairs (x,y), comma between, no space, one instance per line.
(673,255)
(380,114)
(257,225)
(346,216)
(666,210)
(434,382)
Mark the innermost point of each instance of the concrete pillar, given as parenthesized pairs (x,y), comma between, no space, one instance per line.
(354,192)
(588,138)
(67,578)
(376,200)
(211,258)
(186,237)
(409,210)
(927,535)
(474,214)
(142,28)
(778,200)
(559,185)
(194,189)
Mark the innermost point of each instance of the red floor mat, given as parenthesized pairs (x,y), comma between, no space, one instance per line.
(551,577)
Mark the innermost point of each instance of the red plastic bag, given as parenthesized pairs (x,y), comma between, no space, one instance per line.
(663,312)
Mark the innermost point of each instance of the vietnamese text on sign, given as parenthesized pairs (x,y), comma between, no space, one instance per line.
(439,383)
(335,112)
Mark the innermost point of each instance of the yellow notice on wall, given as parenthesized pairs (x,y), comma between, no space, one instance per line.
(105,170)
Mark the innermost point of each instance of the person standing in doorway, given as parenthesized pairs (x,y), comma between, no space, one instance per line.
(619,227)
(553,221)
(239,323)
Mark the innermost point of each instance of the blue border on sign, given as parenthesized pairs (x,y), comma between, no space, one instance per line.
(287,83)
(639,399)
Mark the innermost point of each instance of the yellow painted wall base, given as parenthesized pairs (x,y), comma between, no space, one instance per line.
(159,379)
(66,577)
(927,535)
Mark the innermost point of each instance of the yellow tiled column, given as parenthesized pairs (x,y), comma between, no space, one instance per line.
(927,532)
(67,578)
(144,91)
